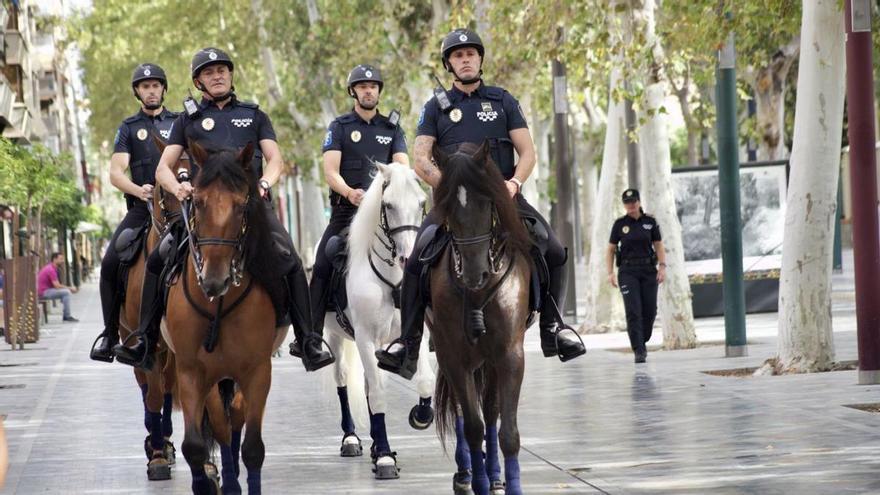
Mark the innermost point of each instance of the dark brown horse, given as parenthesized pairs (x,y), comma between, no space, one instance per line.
(220,320)
(481,286)
(156,384)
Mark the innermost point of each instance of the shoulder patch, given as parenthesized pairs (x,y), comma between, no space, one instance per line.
(328,138)
(134,118)
(422,116)
(248,104)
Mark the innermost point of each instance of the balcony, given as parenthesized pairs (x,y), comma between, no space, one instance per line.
(16,48)
(19,128)
(48,87)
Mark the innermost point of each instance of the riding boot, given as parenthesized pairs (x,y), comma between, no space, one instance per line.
(313,356)
(402,355)
(318,295)
(102,349)
(554,343)
(142,352)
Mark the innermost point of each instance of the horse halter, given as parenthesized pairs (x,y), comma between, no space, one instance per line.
(387,237)
(496,246)
(236,264)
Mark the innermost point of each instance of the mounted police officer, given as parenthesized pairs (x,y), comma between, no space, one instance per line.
(135,150)
(222,120)
(636,242)
(354,141)
(473,112)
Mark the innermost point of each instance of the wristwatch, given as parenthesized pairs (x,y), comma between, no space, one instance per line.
(517,182)
(264,184)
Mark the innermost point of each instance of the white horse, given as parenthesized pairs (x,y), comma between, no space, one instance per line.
(381,237)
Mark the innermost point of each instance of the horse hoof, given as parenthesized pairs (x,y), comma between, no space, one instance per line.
(170,452)
(421,417)
(212,472)
(497,487)
(231,489)
(461,483)
(386,468)
(158,469)
(351,446)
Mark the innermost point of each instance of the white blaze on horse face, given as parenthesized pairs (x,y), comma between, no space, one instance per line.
(462,196)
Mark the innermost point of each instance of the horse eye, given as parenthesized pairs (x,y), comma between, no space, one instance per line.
(388,206)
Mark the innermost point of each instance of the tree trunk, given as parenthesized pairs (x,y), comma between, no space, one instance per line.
(674,302)
(770,84)
(604,303)
(805,332)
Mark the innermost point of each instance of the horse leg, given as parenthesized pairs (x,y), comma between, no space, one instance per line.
(422,414)
(168,398)
(158,467)
(351,443)
(490,416)
(221,430)
(510,377)
(461,482)
(465,391)
(193,393)
(384,459)
(255,388)
(236,421)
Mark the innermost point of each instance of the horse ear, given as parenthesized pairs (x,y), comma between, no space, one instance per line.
(246,155)
(385,170)
(482,153)
(438,155)
(159,143)
(197,152)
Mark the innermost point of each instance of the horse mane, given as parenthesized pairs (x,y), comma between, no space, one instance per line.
(222,164)
(363,225)
(461,169)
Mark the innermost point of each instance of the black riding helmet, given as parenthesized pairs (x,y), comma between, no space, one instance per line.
(364,73)
(209,56)
(460,38)
(147,71)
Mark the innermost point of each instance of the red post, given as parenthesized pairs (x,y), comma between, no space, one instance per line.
(863,173)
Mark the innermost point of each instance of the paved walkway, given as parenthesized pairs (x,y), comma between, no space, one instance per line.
(595,425)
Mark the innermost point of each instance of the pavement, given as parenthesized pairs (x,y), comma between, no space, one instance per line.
(598,424)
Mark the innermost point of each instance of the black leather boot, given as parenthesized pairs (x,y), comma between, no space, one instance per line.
(402,355)
(102,348)
(318,295)
(553,341)
(313,356)
(141,354)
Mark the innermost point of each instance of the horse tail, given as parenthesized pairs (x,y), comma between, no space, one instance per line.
(446,409)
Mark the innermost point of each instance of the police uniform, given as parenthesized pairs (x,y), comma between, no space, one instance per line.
(637,274)
(361,143)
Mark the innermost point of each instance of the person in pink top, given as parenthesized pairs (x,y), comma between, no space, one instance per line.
(48,286)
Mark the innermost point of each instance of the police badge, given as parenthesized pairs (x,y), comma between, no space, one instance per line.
(355,136)
(455,115)
(142,134)
(207,123)
(626,229)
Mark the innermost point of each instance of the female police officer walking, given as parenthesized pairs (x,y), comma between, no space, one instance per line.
(635,240)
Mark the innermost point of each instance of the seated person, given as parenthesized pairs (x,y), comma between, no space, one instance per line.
(48,286)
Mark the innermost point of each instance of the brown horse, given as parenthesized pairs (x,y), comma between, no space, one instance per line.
(483,276)
(220,320)
(156,384)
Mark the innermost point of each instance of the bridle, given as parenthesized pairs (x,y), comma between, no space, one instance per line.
(496,246)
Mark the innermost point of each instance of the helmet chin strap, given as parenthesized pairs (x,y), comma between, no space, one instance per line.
(154,106)
(225,96)
(466,81)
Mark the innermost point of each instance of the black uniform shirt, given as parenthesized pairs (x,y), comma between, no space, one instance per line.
(489,113)
(233,126)
(362,142)
(635,237)
(135,137)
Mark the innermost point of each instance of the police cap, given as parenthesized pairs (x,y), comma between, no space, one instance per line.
(460,38)
(630,195)
(147,71)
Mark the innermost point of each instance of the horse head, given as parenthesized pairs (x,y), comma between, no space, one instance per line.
(477,211)
(224,191)
(402,208)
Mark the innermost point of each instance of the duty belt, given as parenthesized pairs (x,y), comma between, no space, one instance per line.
(637,261)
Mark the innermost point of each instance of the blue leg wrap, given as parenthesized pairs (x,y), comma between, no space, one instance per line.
(511,476)
(378,433)
(493,466)
(347,420)
(235,445)
(157,441)
(254,483)
(462,451)
(229,471)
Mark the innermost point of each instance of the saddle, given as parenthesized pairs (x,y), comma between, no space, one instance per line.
(336,251)
(128,244)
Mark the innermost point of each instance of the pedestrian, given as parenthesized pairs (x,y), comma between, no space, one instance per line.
(48,286)
(638,247)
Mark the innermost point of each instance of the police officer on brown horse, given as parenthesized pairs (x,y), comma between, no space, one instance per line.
(134,150)
(474,112)
(222,120)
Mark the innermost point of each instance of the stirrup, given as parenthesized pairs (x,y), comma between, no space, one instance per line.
(309,365)
(565,327)
(95,357)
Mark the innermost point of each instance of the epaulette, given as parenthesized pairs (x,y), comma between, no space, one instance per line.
(494,92)
(134,118)
(347,118)
(248,104)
